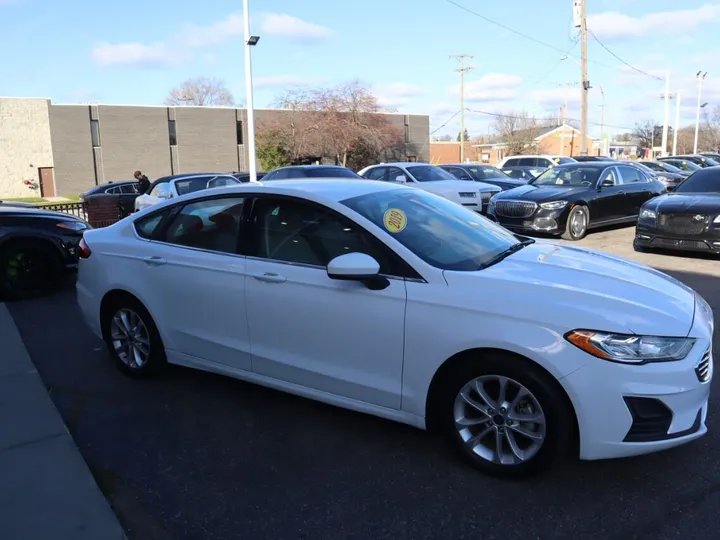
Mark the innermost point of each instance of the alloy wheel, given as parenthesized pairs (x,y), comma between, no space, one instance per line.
(499,420)
(578,223)
(130,338)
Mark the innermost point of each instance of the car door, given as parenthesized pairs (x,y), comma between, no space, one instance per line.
(638,189)
(128,194)
(610,202)
(193,281)
(306,329)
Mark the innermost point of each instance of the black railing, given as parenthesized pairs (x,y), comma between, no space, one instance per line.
(77,209)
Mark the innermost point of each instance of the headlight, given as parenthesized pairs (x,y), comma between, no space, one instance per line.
(468,194)
(73,225)
(630,349)
(554,205)
(648,214)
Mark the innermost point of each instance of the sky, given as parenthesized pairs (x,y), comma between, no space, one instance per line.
(134,52)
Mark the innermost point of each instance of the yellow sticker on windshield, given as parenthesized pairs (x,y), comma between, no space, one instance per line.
(394,220)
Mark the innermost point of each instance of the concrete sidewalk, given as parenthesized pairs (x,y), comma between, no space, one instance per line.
(46,489)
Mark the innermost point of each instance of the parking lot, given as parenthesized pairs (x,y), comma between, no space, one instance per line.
(198,456)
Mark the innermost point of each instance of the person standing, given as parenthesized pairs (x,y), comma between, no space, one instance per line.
(143,180)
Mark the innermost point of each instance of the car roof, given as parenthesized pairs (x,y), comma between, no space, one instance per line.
(107,185)
(587,164)
(312,167)
(468,165)
(402,164)
(34,211)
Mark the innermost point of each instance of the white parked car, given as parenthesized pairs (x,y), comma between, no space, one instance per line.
(169,187)
(399,303)
(542,161)
(430,178)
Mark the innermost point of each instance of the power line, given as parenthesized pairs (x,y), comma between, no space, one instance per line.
(500,115)
(621,60)
(446,122)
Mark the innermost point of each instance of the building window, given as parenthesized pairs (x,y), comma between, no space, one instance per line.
(239,132)
(407,133)
(95,133)
(172,132)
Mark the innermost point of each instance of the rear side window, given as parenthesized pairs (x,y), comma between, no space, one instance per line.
(147,226)
(512,162)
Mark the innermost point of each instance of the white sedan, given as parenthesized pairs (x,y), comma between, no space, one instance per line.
(475,196)
(399,303)
(169,187)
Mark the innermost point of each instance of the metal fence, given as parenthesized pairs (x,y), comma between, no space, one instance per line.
(77,209)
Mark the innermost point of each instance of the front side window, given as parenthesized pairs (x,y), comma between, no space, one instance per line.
(288,230)
(609,178)
(212,224)
(429,173)
(567,176)
(512,162)
(704,181)
(630,175)
(441,233)
(148,226)
(376,173)
(330,172)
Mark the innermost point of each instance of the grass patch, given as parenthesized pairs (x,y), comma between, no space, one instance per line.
(26,200)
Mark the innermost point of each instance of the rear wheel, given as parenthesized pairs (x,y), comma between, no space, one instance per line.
(577,223)
(28,269)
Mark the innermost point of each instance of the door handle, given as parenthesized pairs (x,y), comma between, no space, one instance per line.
(154,261)
(270,277)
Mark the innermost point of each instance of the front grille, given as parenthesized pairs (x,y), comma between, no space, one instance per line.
(683,223)
(702,370)
(673,243)
(515,209)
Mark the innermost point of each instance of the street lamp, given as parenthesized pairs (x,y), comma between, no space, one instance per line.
(250,41)
(700,76)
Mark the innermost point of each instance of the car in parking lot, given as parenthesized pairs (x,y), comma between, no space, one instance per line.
(483,173)
(697,159)
(687,167)
(435,180)
(569,200)
(687,219)
(310,171)
(169,187)
(333,290)
(125,191)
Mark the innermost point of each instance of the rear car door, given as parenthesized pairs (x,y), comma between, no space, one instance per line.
(306,329)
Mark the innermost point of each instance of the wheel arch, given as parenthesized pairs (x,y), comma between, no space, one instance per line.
(432,410)
(110,299)
(21,238)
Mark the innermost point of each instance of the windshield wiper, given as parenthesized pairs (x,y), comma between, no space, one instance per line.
(509,251)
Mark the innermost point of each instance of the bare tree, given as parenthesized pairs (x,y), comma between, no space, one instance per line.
(199,92)
(645,133)
(711,130)
(518,131)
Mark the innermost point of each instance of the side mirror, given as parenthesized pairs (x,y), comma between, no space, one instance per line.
(357,267)
(401,179)
(607,183)
(163,192)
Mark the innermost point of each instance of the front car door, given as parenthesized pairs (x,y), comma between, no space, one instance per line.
(331,336)
(192,280)
(638,188)
(610,202)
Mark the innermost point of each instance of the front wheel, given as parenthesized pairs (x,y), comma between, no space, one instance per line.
(577,223)
(505,417)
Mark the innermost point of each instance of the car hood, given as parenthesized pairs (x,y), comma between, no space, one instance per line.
(569,288)
(529,192)
(700,203)
(454,186)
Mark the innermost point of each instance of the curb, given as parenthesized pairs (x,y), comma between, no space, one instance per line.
(47,490)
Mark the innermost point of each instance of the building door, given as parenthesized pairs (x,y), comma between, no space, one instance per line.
(47,182)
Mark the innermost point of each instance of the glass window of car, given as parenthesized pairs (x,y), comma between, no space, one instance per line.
(438,231)
(515,173)
(429,173)
(486,172)
(148,226)
(329,172)
(568,176)
(702,181)
(664,167)
(376,173)
(610,177)
(630,175)
(115,190)
(211,224)
(459,173)
(192,184)
(155,190)
(529,162)
(511,162)
(293,231)
(394,172)
(130,189)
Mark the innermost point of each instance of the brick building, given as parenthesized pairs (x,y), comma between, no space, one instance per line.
(53,149)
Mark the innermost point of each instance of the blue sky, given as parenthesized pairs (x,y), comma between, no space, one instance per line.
(134,52)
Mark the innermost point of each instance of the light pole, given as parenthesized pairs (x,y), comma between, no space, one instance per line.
(700,78)
(677,124)
(250,41)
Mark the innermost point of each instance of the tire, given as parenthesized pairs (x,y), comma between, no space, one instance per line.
(127,317)
(553,425)
(639,248)
(577,212)
(28,269)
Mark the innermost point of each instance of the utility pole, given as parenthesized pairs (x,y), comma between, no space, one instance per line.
(663,151)
(462,68)
(677,123)
(700,77)
(585,82)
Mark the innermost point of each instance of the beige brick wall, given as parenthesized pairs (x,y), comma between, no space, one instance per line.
(206,139)
(25,145)
(72,148)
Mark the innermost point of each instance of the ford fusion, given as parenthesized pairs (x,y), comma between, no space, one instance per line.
(396,302)
(687,219)
(569,200)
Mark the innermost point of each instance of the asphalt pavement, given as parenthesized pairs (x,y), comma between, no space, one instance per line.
(197,456)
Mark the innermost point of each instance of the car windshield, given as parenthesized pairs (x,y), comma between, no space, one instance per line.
(709,161)
(687,166)
(662,167)
(703,181)
(486,172)
(328,172)
(429,173)
(578,175)
(440,232)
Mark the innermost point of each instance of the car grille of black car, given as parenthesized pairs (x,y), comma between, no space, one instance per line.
(683,223)
(703,368)
(515,209)
(673,243)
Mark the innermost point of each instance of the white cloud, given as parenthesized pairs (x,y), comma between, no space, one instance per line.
(154,55)
(397,95)
(491,87)
(555,97)
(281,81)
(215,33)
(289,27)
(613,24)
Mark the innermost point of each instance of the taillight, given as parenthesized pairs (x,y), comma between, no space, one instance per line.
(83,249)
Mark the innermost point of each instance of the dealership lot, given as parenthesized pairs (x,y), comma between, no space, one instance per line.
(193,455)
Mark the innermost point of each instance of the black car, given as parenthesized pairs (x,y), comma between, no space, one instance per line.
(125,191)
(310,171)
(523,173)
(570,199)
(684,165)
(245,176)
(36,248)
(686,219)
(697,159)
(711,155)
(668,174)
(483,173)
(584,159)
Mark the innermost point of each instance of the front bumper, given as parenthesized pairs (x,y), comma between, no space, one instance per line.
(625,410)
(542,221)
(707,242)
